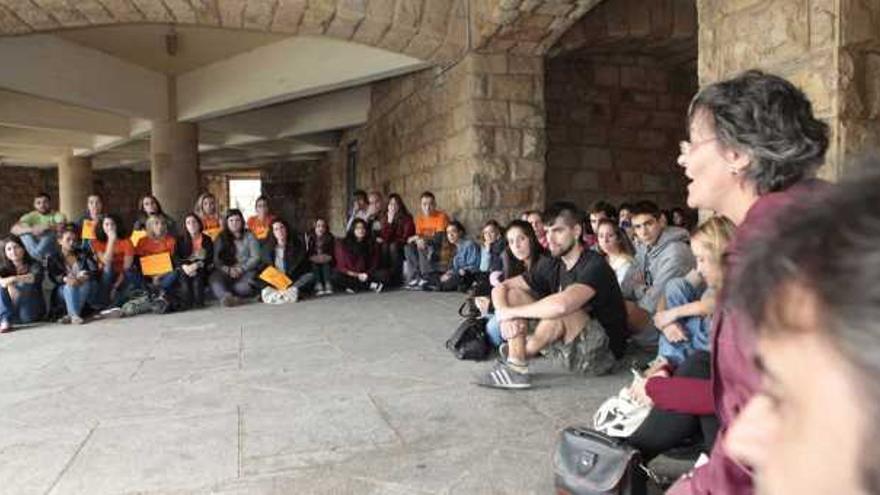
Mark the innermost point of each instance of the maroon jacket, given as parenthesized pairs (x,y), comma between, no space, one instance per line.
(348,261)
(399,231)
(734,376)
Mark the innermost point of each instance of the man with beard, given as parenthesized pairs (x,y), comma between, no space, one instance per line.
(569,304)
(39,227)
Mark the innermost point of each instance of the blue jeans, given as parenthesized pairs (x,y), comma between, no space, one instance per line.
(493,331)
(166,281)
(40,247)
(101,296)
(322,273)
(678,293)
(75,297)
(27,308)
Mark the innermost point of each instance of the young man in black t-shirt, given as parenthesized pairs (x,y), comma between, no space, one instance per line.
(573,302)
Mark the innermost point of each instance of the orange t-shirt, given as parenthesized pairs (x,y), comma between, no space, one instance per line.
(149,246)
(260,229)
(209,223)
(121,249)
(428,225)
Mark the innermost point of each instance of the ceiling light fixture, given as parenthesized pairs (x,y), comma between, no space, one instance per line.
(171,42)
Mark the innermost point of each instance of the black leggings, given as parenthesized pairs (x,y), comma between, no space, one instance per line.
(665,430)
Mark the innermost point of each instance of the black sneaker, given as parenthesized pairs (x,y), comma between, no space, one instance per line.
(503,376)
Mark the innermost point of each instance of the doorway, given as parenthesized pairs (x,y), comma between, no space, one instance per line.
(243,193)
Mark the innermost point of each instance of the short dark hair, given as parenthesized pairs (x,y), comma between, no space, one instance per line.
(43,194)
(458,226)
(646,208)
(428,194)
(603,207)
(829,246)
(359,194)
(567,211)
(625,206)
(772,120)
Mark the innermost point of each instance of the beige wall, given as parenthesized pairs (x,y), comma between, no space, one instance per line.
(120,188)
(827,47)
(613,127)
(473,135)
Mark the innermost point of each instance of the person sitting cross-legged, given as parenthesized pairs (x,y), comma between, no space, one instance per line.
(38,229)
(286,251)
(72,270)
(236,259)
(358,266)
(572,301)
(21,282)
(466,262)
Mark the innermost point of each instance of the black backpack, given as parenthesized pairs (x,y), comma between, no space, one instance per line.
(469,341)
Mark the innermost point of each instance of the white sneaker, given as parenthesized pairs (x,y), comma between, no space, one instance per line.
(376,287)
(292,294)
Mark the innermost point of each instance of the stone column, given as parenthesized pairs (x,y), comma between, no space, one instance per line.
(174,172)
(74,184)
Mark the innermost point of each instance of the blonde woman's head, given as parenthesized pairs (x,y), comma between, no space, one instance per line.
(708,242)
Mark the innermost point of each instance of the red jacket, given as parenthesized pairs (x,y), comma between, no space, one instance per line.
(398,232)
(734,377)
(348,261)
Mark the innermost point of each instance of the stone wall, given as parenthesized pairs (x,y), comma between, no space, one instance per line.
(472,134)
(859,60)
(828,48)
(294,190)
(613,125)
(120,188)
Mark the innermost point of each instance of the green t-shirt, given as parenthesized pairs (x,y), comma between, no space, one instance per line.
(37,219)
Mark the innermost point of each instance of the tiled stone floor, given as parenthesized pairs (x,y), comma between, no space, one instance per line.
(347,394)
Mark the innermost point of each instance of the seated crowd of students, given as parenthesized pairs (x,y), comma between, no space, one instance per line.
(577,286)
(97,264)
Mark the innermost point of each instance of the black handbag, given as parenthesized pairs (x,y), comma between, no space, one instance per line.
(469,340)
(587,462)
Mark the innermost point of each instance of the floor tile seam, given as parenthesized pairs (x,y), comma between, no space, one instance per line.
(72,459)
(386,418)
(149,356)
(107,423)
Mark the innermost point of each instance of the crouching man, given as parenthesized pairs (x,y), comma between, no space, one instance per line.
(569,305)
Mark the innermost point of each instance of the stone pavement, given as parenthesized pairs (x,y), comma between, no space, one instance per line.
(348,394)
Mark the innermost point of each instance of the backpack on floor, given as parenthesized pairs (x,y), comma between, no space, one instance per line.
(469,341)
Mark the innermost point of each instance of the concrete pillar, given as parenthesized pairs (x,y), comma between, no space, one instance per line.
(74,185)
(174,172)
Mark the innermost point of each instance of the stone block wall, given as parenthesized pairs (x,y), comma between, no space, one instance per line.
(472,134)
(828,48)
(614,122)
(120,188)
(859,61)
(294,190)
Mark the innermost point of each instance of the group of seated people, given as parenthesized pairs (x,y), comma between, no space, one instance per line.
(763,317)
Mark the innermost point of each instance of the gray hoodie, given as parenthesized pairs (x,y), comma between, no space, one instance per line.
(670,257)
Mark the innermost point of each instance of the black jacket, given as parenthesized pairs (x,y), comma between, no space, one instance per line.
(57,268)
(185,253)
(296,257)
